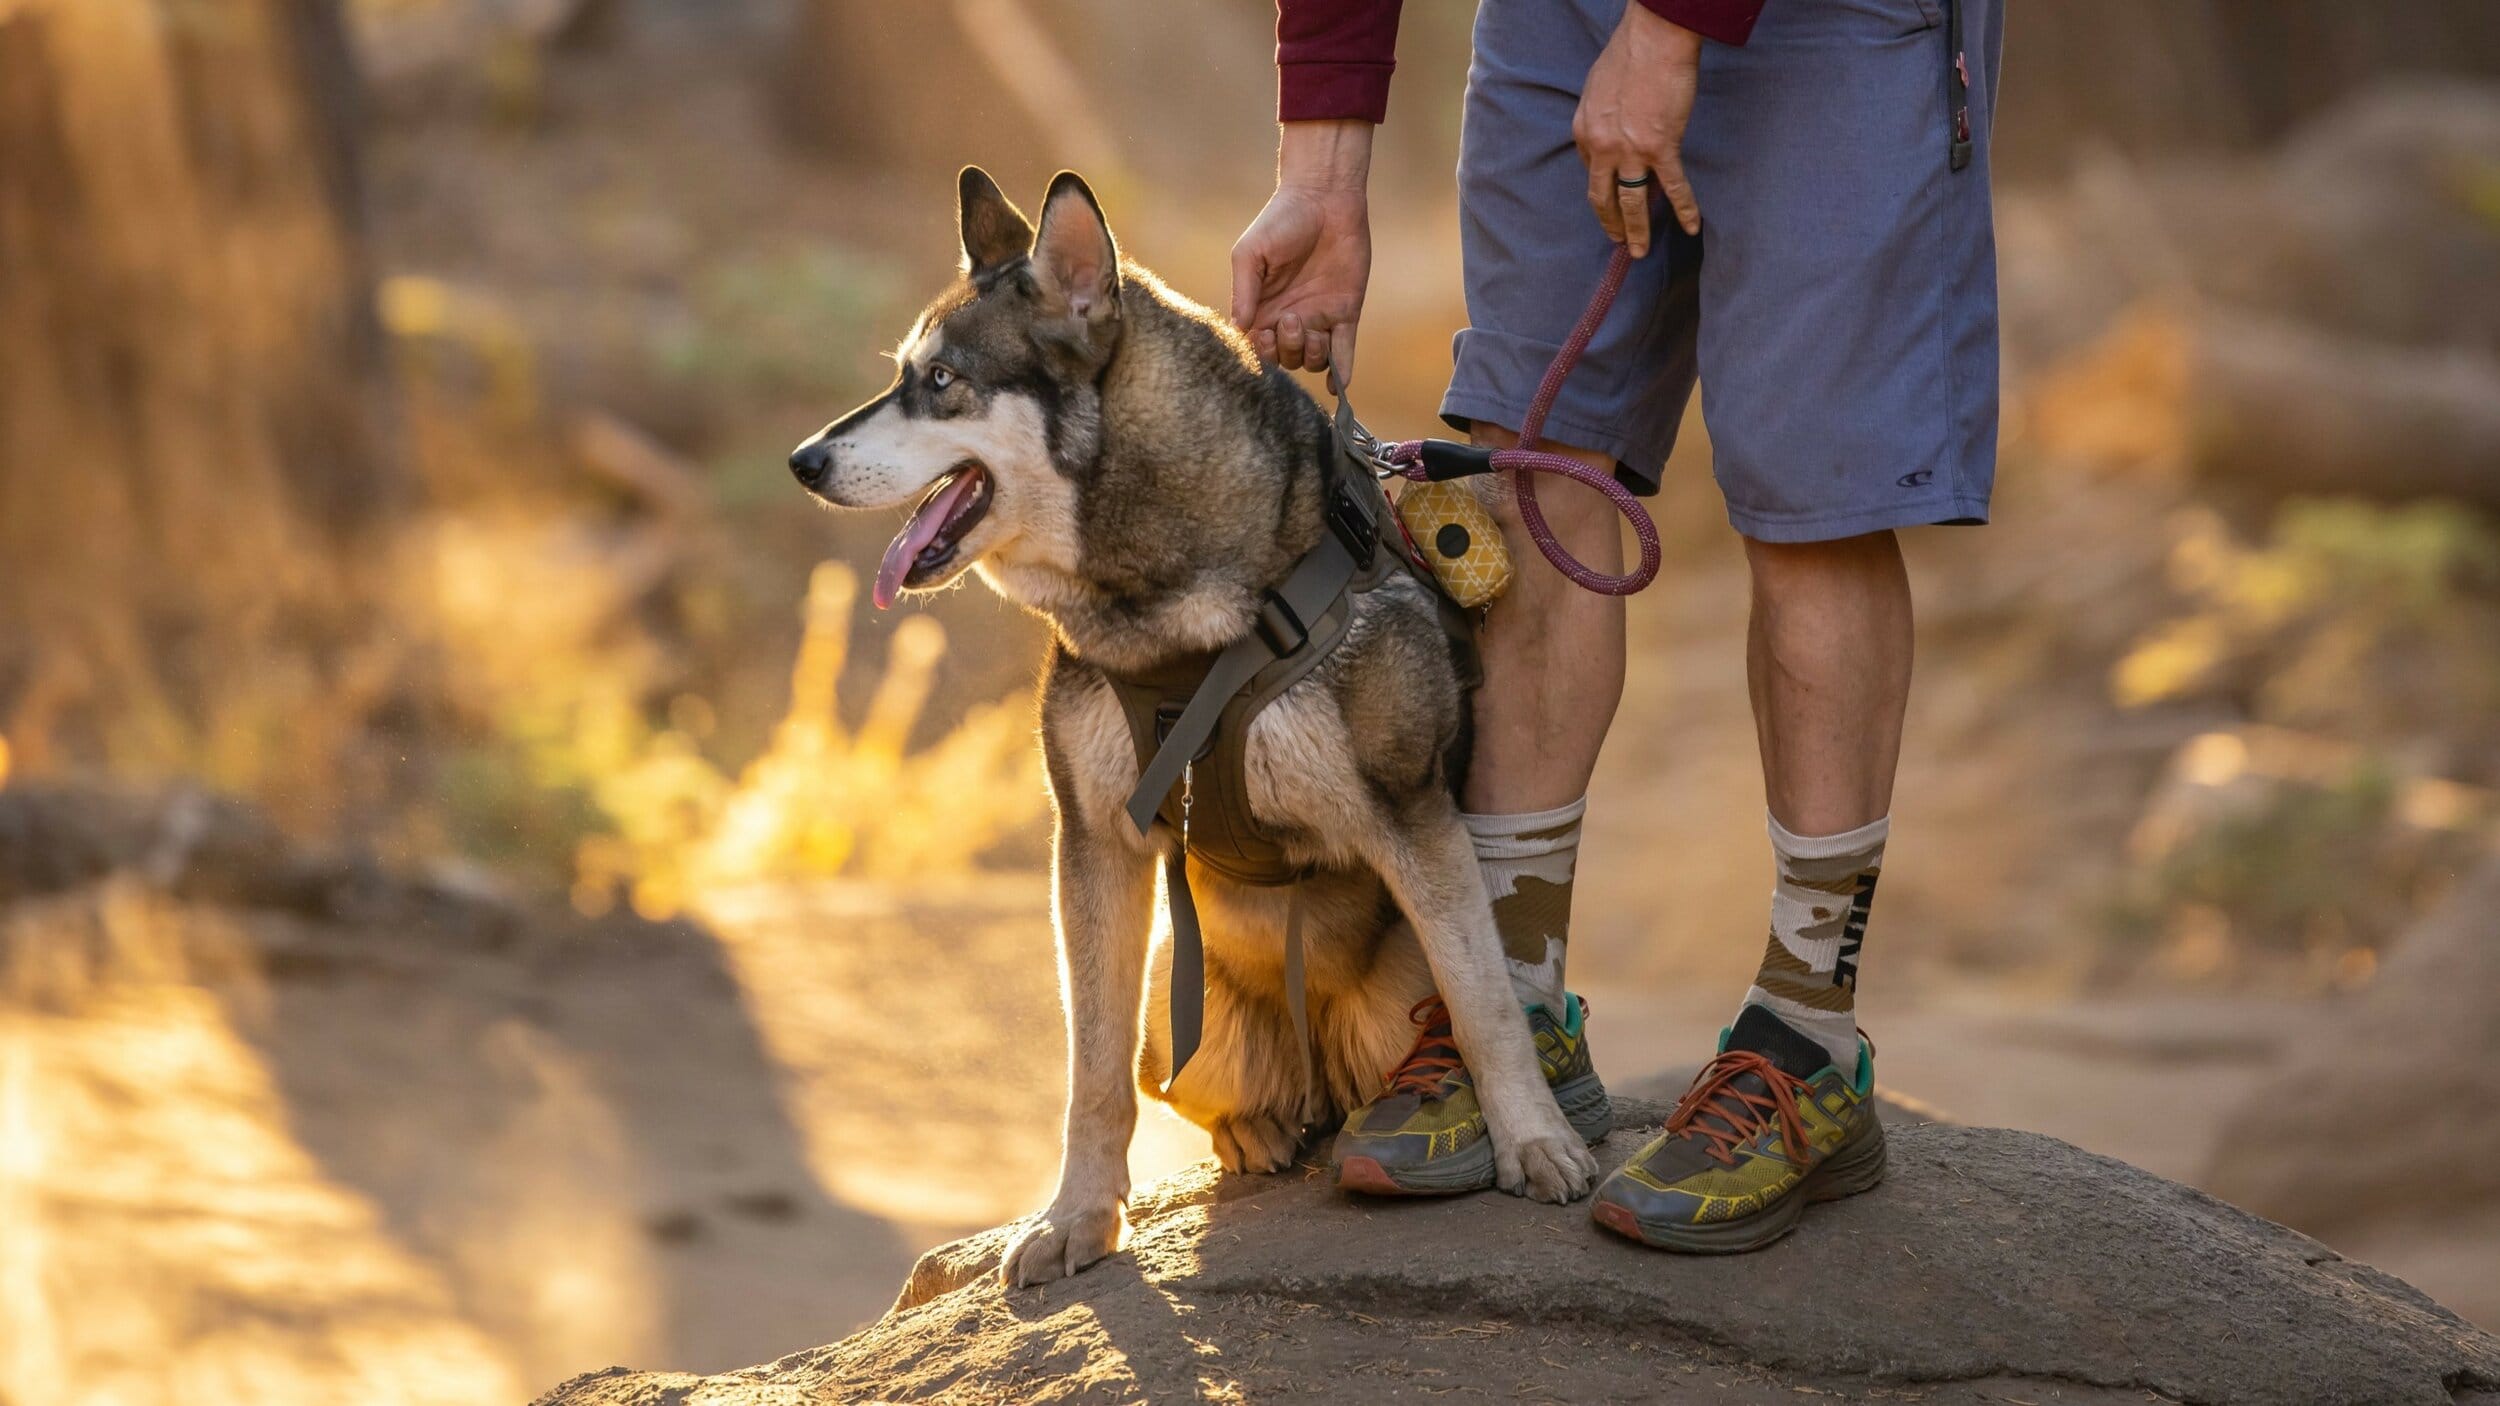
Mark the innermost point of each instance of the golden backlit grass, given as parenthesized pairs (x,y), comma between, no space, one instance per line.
(825,797)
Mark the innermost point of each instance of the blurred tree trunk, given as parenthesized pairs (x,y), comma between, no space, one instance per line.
(899,86)
(191,481)
(2278,407)
(1177,92)
(2155,78)
(2288,410)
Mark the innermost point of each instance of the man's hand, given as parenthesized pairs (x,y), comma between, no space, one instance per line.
(1299,271)
(1631,121)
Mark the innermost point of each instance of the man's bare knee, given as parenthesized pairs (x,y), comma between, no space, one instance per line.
(1782,567)
(1574,511)
(1553,653)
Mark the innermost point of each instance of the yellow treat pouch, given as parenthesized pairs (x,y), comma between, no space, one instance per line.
(1458,537)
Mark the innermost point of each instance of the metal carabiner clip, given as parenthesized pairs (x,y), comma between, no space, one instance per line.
(1371,450)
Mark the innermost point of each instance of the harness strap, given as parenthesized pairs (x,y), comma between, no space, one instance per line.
(1189,964)
(1284,624)
(1189,972)
(1352,508)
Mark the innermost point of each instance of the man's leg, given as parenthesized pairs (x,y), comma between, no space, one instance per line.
(1553,674)
(1827,656)
(1553,653)
(1850,346)
(1785,1116)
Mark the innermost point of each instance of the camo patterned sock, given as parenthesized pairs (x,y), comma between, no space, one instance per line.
(1527,862)
(1809,976)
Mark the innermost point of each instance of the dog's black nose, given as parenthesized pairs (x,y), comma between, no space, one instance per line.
(810,460)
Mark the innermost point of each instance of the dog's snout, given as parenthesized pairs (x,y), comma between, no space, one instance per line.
(810,461)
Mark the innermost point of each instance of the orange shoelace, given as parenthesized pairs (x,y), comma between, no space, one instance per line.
(1435,1056)
(1723,1115)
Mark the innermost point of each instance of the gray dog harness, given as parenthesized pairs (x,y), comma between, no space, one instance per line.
(1190,722)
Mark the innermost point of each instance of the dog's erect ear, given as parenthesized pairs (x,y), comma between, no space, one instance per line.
(994,229)
(1074,260)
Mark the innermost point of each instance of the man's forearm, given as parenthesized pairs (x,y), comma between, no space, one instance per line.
(1329,155)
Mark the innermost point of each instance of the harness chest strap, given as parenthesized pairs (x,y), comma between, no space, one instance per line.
(1189,970)
(1316,582)
(1299,622)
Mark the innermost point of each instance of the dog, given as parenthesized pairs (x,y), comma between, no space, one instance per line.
(1114,457)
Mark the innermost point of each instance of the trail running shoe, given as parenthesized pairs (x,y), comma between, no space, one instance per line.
(1425,1135)
(1767,1127)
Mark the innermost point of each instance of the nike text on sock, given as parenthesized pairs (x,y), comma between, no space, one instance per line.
(1819,904)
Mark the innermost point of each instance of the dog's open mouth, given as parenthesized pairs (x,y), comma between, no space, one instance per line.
(953,506)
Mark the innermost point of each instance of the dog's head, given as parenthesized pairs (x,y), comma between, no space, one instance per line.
(995,397)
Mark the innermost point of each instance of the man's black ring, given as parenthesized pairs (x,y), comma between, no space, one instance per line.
(1633,185)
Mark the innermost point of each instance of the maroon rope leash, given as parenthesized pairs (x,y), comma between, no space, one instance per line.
(1526,459)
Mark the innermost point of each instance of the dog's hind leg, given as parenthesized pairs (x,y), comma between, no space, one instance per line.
(1366,1029)
(1246,1085)
(1102,883)
(1424,854)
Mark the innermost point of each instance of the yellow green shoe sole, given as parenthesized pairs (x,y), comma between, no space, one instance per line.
(1852,1169)
(1584,1103)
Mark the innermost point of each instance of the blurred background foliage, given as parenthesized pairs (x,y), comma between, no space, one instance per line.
(393,396)
(512,559)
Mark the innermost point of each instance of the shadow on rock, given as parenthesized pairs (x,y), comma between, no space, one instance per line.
(1991,1265)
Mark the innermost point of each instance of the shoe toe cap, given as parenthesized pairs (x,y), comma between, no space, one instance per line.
(1624,1197)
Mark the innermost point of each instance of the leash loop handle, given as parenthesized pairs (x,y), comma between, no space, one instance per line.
(1427,460)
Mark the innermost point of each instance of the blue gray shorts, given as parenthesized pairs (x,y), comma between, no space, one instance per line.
(1839,306)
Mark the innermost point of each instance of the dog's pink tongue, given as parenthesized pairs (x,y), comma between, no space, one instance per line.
(916,535)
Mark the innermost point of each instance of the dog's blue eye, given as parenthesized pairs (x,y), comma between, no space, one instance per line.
(941,377)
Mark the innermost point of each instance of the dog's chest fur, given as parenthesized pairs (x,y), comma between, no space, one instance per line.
(1302,780)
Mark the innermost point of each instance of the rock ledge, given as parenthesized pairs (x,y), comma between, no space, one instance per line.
(1992,1266)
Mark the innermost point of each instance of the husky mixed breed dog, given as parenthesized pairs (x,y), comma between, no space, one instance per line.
(1113,457)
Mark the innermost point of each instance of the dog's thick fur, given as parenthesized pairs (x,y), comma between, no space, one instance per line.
(1149,480)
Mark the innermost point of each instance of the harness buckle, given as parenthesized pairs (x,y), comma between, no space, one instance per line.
(1352,520)
(1168,715)
(1283,630)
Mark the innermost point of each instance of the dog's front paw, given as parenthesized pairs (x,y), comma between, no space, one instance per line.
(1060,1242)
(1549,1163)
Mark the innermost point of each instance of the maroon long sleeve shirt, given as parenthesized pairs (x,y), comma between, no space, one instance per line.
(1333,57)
